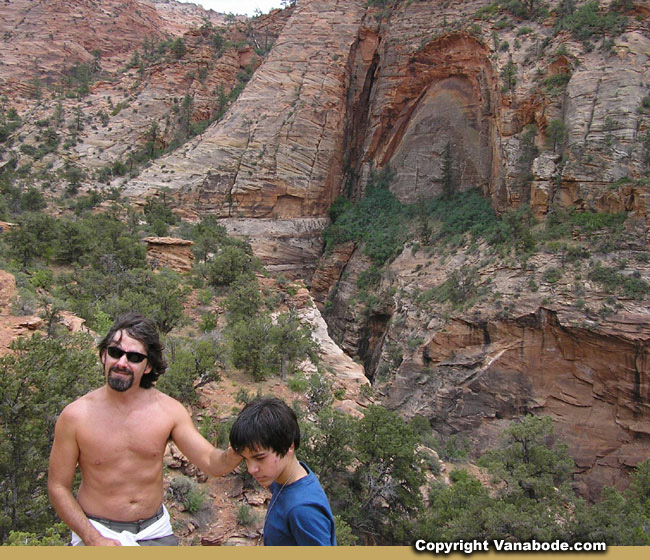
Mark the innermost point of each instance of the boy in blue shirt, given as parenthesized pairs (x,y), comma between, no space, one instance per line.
(267,436)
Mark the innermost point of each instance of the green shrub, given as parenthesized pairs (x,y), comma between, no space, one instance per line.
(632,285)
(58,535)
(460,288)
(645,103)
(208,322)
(27,149)
(246,516)
(344,533)
(561,223)
(376,220)
(194,500)
(193,363)
(455,448)
(590,222)
(37,380)
(552,275)
(185,491)
(557,83)
(368,278)
(299,383)
(229,264)
(489,11)
(588,21)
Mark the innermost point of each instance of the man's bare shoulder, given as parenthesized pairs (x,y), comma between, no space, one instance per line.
(83,404)
(169,404)
(78,412)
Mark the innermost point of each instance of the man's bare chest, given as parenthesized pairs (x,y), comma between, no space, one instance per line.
(113,438)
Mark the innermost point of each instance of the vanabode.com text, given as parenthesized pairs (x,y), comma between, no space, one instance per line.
(468,547)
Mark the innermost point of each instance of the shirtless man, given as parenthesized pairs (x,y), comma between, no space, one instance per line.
(117,435)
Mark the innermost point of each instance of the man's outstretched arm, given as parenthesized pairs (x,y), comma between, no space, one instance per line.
(63,464)
(213,461)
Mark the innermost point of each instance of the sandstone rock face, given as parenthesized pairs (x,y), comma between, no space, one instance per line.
(593,383)
(343,317)
(290,247)
(278,151)
(344,368)
(7,291)
(432,91)
(605,124)
(427,103)
(330,268)
(555,349)
(139,87)
(170,252)
(43,39)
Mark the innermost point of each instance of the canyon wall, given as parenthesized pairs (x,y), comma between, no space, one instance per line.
(434,88)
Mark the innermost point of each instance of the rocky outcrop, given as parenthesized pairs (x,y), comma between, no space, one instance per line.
(438,82)
(170,252)
(558,347)
(289,247)
(330,267)
(142,99)
(347,373)
(43,39)
(7,291)
(278,152)
(439,100)
(472,377)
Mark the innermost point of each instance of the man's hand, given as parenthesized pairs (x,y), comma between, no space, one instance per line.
(211,460)
(100,540)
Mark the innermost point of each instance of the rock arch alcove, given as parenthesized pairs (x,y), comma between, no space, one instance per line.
(443,97)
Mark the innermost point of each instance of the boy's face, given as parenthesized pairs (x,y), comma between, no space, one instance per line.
(266,466)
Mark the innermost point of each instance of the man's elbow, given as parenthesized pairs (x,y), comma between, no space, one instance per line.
(57,492)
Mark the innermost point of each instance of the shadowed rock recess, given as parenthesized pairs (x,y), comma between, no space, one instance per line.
(445,95)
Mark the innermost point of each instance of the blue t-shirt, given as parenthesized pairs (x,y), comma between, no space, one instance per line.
(299,515)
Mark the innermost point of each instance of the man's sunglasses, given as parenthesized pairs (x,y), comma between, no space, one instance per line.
(133,357)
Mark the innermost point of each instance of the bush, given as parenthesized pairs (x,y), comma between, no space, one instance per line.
(32,238)
(377,220)
(587,21)
(110,290)
(552,275)
(561,223)
(58,535)
(37,380)
(246,516)
(185,491)
(557,83)
(632,286)
(298,383)
(192,363)
(459,288)
(229,264)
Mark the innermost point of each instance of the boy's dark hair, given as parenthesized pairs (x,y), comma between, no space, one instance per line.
(266,423)
(143,329)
